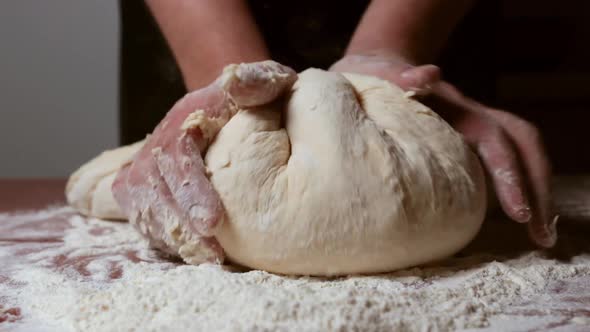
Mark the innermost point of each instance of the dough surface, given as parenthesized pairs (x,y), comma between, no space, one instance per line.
(350,177)
(361,179)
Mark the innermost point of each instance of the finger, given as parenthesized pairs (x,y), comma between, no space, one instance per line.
(544,234)
(495,149)
(158,216)
(207,109)
(498,157)
(183,170)
(138,190)
(419,80)
(167,223)
(530,146)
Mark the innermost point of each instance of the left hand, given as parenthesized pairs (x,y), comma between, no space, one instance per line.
(510,148)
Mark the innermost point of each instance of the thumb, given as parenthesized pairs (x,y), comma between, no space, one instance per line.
(256,83)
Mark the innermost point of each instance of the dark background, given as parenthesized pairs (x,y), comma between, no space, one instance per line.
(543,73)
(537,67)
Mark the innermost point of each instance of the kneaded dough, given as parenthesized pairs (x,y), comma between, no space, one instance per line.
(351,177)
(361,179)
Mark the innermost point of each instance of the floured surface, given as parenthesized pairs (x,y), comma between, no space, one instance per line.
(61,272)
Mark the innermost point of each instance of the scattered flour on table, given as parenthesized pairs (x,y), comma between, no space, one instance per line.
(151,294)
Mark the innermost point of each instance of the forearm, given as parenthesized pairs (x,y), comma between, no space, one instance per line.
(206,35)
(415,30)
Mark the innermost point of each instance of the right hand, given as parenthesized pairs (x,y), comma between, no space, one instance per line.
(510,148)
(166,185)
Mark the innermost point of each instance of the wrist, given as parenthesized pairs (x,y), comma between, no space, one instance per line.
(414,30)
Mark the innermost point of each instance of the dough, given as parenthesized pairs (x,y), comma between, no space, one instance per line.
(357,178)
(89,188)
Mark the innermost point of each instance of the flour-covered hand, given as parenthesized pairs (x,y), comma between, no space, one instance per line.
(512,152)
(165,191)
(509,147)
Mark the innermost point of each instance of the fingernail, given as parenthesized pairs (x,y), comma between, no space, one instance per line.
(524,215)
(549,241)
(551,228)
(550,231)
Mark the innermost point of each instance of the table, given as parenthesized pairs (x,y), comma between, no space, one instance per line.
(30,194)
(563,305)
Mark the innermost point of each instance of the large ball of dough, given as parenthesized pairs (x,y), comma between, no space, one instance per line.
(352,177)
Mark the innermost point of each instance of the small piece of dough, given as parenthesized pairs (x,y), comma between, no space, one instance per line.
(351,177)
(89,188)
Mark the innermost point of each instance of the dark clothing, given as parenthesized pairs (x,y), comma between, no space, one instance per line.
(300,34)
(150,81)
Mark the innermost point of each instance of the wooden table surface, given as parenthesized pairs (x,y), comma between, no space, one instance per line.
(574,229)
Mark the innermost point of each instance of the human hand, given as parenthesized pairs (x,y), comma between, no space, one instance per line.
(165,191)
(510,148)
(417,79)
(512,152)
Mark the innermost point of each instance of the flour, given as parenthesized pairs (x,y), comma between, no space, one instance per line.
(101,276)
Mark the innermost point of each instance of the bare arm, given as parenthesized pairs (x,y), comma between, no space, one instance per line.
(414,30)
(206,35)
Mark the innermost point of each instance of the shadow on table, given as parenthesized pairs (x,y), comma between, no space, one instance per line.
(501,236)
